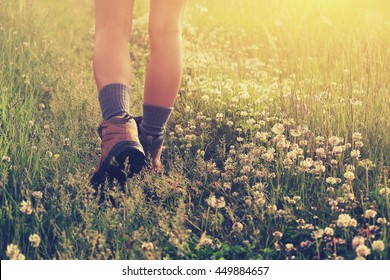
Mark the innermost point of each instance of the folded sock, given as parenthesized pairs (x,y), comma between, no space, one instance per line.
(114,100)
(154,120)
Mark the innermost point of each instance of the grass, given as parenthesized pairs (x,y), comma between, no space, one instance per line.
(278,147)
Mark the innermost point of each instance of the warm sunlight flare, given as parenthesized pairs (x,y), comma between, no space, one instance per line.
(277,145)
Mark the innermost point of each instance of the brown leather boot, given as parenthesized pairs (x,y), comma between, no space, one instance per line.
(120,146)
(153,147)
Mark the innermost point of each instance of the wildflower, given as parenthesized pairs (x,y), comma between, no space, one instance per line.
(352,223)
(320,140)
(220,203)
(41,106)
(204,240)
(216,202)
(318,233)
(356,136)
(66,142)
(56,156)
(219,117)
(320,152)
(35,240)
(295,133)
(334,140)
(349,175)
(362,251)
(333,180)
(359,144)
(355,154)
(147,246)
(384,191)
(337,150)
(6,159)
(357,241)
(237,227)
(344,220)
(49,154)
(370,214)
(30,123)
(305,244)
(329,231)
(13,252)
(37,194)
(382,221)
(289,247)
(277,234)
(378,245)
(277,246)
(278,128)
(367,164)
(26,207)
(187,109)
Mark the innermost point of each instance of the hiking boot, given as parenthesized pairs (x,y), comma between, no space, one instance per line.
(153,147)
(120,147)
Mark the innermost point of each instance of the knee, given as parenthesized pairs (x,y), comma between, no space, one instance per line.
(164,31)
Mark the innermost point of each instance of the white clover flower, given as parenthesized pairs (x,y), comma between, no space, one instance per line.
(35,240)
(362,251)
(370,214)
(384,191)
(329,231)
(278,128)
(320,152)
(220,202)
(318,233)
(334,140)
(332,180)
(349,175)
(355,154)
(262,136)
(219,117)
(147,246)
(352,223)
(13,252)
(289,247)
(277,234)
(305,244)
(295,132)
(357,241)
(6,159)
(378,245)
(237,226)
(26,207)
(337,150)
(343,220)
(356,136)
(37,194)
(359,144)
(382,221)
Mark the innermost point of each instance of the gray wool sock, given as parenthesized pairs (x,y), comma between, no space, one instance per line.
(154,120)
(114,100)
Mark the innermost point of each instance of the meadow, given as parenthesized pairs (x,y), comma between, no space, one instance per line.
(278,147)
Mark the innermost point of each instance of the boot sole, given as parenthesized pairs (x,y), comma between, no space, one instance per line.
(124,161)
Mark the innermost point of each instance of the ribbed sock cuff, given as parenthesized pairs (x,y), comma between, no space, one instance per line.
(154,120)
(114,100)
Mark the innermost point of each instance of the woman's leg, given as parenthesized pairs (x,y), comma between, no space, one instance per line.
(111,59)
(112,69)
(166,57)
(163,75)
